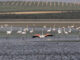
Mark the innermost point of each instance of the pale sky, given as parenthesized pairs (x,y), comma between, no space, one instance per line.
(45,0)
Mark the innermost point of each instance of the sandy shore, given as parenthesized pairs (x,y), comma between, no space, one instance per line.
(34,12)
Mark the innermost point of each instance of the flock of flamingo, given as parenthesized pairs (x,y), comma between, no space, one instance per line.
(66,30)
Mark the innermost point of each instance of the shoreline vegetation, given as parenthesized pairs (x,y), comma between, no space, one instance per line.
(18,6)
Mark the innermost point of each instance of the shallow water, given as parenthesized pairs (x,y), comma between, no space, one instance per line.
(33,50)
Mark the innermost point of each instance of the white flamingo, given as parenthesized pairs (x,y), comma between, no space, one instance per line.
(65,30)
(50,3)
(9,31)
(59,30)
(19,31)
(70,30)
(77,28)
(44,26)
(31,31)
(38,3)
(23,32)
(54,29)
(42,36)
(72,26)
(49,30)
(26,29)
(46,3)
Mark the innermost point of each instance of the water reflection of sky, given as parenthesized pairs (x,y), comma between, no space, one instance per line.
(46,0)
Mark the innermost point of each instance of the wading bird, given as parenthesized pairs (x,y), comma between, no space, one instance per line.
(19,31)
(42,35)
(59,30)
(23,32)
(64,29)
(9,31)
(54,29)
(26,29)
(31,31)
(49,30)
(70,30)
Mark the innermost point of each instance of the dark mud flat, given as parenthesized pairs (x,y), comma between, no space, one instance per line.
(29,50)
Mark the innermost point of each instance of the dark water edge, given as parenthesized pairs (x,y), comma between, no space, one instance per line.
(24,50)
(68,15)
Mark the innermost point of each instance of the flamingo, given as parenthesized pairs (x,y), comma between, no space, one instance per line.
(46,3)
(65,31)
(70,30)
(59,31)
(26,29)
(9,31)
(19,31)
(38,3)
(49,30)
(72,26)
(54,29)
(50,3)
(23,32)
(31,31)
(44,26)
(42,35)
(78,28)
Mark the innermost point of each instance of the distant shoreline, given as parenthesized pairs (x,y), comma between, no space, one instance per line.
(41,15)
(34,12)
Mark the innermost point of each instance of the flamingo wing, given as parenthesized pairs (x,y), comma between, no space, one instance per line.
(48,35)
(36,35)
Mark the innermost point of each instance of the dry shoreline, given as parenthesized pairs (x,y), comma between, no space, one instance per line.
(34,12)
